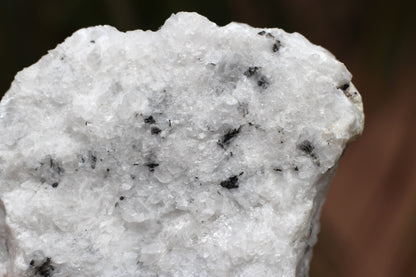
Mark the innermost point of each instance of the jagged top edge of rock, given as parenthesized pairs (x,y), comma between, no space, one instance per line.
(179,20)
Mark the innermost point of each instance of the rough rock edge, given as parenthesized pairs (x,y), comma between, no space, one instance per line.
(6,238)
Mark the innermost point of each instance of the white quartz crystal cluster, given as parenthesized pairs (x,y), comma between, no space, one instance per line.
(196,150)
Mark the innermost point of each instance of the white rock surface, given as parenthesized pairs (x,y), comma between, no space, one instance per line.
(196,150)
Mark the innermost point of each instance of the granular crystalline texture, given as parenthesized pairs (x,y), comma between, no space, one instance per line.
(196,150)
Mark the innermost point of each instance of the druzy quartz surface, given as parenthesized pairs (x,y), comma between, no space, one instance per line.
(196,150)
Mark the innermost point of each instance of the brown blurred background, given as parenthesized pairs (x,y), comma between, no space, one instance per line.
(369,218)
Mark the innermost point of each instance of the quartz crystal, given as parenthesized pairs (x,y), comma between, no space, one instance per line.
(196,150)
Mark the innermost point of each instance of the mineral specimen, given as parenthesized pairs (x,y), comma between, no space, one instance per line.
(196,150)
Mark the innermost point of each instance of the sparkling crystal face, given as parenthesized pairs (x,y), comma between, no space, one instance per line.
(196,150)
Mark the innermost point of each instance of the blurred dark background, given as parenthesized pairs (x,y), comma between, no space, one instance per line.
(369,218)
